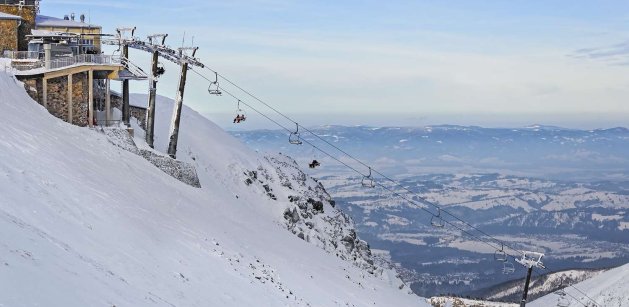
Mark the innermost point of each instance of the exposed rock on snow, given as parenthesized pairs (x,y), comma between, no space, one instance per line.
(179,170)
(312,217)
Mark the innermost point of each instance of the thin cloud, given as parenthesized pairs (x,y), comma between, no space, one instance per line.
(617,54)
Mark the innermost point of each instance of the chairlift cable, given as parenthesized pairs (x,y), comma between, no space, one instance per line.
(411,201)
(538,270)
(483,240)
(356,159)
(587,296)
(351,167)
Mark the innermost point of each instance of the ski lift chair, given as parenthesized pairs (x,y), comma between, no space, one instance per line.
(241,115)
(500,255)
(436,220)
(367,181)
(214,88)
(507,267)
(294,137)
(160,69)
(314,164)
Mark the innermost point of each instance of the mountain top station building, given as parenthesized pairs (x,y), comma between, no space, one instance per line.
(62,65)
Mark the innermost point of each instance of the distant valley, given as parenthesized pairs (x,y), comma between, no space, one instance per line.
(559,191)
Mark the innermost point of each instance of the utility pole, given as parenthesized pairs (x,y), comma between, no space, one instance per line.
(150,110)
(174,125)
(179,57)
(529,260)
(125,88)
(526,287)
(123,41)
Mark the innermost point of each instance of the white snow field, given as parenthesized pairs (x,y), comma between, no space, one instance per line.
(86,223)
(608,289)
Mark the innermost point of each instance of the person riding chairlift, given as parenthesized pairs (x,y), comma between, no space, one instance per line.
(314,164)
(239,118)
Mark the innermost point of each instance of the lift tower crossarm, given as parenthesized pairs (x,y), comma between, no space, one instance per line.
(153,37)
(185,57)
(164,51)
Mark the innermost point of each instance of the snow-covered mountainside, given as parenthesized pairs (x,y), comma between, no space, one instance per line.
(576,212)
(87,223)
(448,301)
(608,289)
(605,289)
(540,285)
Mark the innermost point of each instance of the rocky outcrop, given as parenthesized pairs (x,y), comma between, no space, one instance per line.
(179,170)
(310,212)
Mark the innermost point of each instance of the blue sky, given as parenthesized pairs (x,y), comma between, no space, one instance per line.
(489,63)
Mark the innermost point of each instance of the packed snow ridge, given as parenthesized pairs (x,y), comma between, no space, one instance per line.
(608,289)
(86,223)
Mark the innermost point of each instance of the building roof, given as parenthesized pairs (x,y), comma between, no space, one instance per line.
(46,33)
(17,2)
(48,21)
(5,16)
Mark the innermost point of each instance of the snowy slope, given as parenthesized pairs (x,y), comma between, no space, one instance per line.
(86,223)
(448,301)
(540,285)
(609,289)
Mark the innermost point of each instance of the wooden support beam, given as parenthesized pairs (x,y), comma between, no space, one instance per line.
(111,69)
(45,92)
(126,114)
(90,100)
(69,101)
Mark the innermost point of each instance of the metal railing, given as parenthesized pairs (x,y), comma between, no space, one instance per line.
(21,55)
(99,59)
(84,59)
(18,2)
(131,67)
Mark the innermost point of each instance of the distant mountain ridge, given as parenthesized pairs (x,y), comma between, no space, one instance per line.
(535,150)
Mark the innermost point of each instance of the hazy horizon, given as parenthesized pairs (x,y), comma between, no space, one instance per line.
(580,122)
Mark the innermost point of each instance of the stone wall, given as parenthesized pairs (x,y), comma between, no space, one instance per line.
(8,35)
(28,22)
(58,96)
(140,114)
(116,101)
(34,88)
